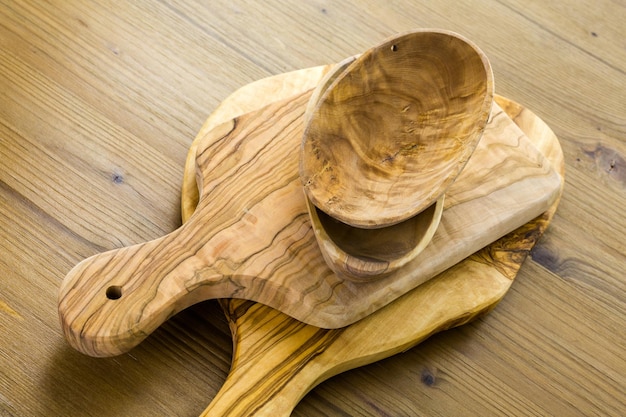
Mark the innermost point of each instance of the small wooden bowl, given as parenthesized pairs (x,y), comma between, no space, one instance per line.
(364,255)
(395,128)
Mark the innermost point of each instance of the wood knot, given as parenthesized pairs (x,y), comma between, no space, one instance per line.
(117,178)
(610,161)
(428,378)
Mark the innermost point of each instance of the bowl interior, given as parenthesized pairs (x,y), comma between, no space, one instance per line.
(392,131)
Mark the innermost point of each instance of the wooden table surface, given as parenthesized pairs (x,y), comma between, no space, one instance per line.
(99,102)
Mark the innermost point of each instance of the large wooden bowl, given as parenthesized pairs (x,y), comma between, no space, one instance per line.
(394,130)
(361,254)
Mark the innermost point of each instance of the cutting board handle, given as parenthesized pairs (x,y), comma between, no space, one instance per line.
(109,302)
(271,369)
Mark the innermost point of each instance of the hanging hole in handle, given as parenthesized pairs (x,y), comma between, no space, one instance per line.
(394,48)
(114,292)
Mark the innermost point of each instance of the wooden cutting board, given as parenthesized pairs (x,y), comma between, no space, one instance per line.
(250,236)
(277,359)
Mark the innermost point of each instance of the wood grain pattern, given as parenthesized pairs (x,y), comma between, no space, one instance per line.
(277,360)
(281,87)
(396,127)
(99,104)
(251,237)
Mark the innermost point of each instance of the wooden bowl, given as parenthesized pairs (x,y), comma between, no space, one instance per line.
(364,255)
(395,128)
(360,254)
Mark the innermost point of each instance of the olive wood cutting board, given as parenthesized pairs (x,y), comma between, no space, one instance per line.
(277,359)
(250,236)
